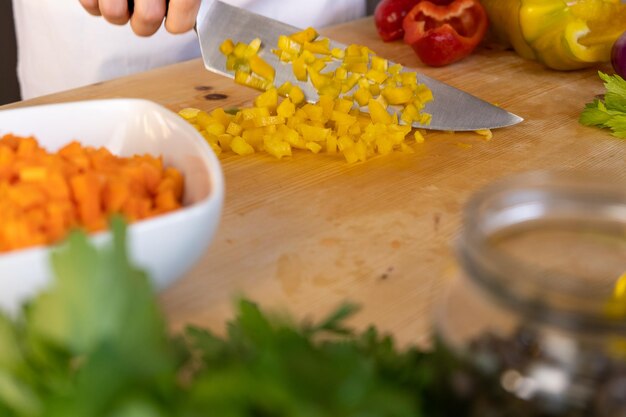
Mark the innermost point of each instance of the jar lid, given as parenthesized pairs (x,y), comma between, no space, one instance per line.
(552,245)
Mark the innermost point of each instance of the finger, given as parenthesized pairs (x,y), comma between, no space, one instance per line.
(181,16)
(91,6)
(114,11)
(147,16)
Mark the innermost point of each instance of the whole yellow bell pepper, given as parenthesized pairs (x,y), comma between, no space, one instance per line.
(563,35)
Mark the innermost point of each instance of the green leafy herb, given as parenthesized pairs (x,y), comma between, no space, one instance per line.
(611,111)
(95,344)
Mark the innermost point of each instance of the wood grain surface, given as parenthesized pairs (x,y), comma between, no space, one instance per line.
(305,233)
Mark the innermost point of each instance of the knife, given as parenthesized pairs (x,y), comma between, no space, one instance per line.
(452,109)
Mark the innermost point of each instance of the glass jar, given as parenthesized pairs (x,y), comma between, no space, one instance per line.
(537,316)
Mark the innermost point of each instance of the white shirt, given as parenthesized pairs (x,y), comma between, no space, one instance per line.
(61,46)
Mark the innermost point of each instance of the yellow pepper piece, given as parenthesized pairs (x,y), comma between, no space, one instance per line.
(313,133)
(307,35)
(337,53)
(284,89)
(260,67)
(487,133)
(189,114)
(233,129)
(215,128)
(313,147)
(268,99)
(321,46)
(240,50)
(376,76)
(397,95)
(253,48)
(318,80)
(318,65)
(240,146)
(221,116)
(227,47)
(262,121)
(296,95)
(378,113)
(286,108)
(251,80)
(299,69)
(285,43)
(276,147)
(343,105)
(362,96)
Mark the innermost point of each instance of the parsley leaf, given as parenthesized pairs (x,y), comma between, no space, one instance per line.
(611,111)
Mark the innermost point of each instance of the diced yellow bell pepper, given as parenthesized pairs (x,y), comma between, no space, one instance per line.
(318,65)
(327,103)
(378,113)
(321,46)
(189,114)
(268,99)
(350,82)
(233,129)
(332,89)
(240,50)
(307,35)
(332,123)
(299,69)
(254,112)
(312,133)
(262,122)
(337,53)
(253,81)
(376,76)
(343,105)
(362,96)
(314,112)
(318,80)
(397,95)
(253,48)
(285,43)
(224,141)
(215,128)
(260,67)
(314,147)
(276,147)
(240,146)
(220,115)
(284,89)
(286,108)
(227,47)
(296,95)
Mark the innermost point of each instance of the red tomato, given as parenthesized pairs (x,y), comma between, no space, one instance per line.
(441,34)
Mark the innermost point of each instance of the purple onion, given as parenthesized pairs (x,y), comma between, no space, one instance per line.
(618,55)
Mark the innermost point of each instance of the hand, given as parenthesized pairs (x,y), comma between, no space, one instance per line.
(147,15)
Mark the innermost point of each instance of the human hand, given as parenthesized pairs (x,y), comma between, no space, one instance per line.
(147,15)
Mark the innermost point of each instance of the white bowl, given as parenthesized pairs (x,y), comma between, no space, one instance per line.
(165,246)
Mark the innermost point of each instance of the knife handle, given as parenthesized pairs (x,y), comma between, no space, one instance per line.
(131,6)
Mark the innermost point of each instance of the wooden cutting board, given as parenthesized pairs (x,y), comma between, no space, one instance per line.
(305,233)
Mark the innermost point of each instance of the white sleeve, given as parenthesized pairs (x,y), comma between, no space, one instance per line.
(60,46)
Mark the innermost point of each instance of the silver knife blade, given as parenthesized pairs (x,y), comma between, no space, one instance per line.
(451,109)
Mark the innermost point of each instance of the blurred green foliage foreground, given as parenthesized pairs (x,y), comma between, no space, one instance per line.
(96,344)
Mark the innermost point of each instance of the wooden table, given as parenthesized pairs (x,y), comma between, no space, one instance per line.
(305,233)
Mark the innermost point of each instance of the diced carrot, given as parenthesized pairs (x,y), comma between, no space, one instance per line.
(43,195)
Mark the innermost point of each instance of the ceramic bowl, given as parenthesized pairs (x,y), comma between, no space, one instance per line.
(166,246)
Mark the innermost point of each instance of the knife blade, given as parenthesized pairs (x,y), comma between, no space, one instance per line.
(451,109)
